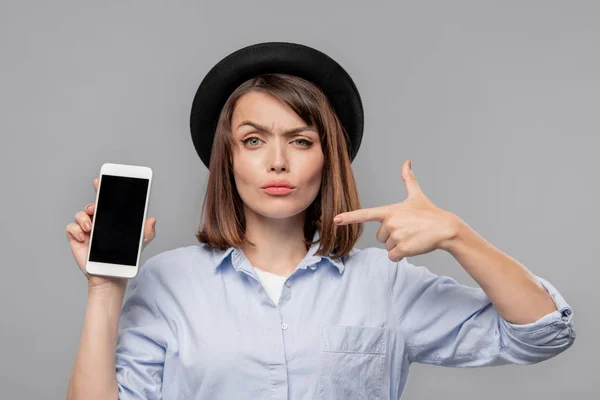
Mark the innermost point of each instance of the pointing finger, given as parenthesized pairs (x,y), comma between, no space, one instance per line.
(362,215)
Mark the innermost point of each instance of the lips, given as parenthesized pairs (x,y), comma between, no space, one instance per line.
(278,190)
(278,184)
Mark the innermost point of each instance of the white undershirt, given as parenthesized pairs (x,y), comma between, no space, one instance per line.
(272,283)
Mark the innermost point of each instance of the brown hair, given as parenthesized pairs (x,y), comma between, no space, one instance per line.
(223,221)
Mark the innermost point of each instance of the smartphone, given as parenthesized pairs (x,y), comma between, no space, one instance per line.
(117,233)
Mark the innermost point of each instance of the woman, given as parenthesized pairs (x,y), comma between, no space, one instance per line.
(276,302)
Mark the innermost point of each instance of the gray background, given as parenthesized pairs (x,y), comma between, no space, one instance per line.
(496,103)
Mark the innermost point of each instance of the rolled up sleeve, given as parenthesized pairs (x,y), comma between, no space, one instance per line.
(141,344)
(544,338)
(449,324)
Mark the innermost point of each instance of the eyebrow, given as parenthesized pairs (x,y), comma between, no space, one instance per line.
(285,133)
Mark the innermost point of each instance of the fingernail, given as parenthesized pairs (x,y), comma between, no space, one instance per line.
(87,226)
(88,207)
(337,220)
(154,225)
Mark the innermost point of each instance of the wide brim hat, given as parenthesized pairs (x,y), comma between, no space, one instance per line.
(274,57)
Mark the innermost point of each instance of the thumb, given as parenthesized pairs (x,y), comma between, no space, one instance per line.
(410,181)
(149,229)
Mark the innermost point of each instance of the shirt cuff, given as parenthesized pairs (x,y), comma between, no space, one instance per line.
(562,316)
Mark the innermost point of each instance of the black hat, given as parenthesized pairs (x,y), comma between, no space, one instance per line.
(274,57)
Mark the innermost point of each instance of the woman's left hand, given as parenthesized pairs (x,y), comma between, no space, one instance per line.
(409,228)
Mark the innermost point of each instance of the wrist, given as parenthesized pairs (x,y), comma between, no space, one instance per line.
(105,301)
(107,287)
(457,230)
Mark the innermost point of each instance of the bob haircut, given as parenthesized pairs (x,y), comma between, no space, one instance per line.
(223,221)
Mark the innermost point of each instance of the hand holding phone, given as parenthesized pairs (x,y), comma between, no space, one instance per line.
(116,217)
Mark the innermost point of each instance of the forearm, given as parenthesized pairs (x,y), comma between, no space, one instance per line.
(515,292)
(93,375)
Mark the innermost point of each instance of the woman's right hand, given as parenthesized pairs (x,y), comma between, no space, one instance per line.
(78,234)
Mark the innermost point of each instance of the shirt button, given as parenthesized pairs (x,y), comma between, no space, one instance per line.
(288,284)
(312,266)
(284,326)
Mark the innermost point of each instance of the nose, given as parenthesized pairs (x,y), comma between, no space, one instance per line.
(278,159)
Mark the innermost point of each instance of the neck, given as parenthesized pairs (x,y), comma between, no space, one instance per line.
(278,243)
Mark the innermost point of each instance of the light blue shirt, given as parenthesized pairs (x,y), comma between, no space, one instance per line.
(197,323)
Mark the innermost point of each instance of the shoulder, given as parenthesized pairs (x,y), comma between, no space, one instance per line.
(375,261)
(178,262)
(371,263)
(370,257)
(370,253)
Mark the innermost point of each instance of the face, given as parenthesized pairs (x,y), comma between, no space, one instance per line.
(274,146)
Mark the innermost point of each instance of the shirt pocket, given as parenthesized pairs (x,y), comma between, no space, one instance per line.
(352,362)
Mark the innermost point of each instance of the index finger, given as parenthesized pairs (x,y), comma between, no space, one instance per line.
(362,215)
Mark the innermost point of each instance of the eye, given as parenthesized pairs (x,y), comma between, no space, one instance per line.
(245,141)
(308,143)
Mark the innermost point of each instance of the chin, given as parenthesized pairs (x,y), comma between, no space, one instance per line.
(278,211)
(278,207)
(279,214)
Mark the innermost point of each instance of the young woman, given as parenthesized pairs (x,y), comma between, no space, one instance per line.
(276,302)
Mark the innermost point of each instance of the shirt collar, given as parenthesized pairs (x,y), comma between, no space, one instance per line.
(239,260)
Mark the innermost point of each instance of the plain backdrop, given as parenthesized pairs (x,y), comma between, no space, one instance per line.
(496,103)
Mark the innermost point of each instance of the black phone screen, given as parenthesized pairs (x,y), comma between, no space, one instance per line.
(119,218)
